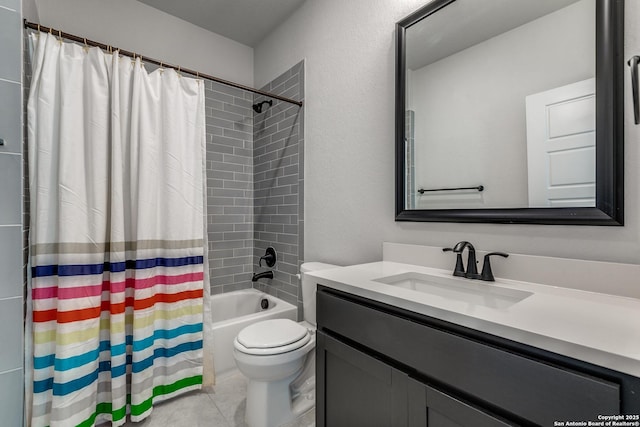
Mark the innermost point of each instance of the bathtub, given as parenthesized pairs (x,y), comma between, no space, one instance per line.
(235,310)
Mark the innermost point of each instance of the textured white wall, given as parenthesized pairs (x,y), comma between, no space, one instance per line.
(136,27)
(349,143)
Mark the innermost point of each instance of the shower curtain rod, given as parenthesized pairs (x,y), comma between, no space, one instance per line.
(110,48)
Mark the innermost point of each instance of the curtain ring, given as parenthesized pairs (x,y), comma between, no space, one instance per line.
(60,36)
(38,27)
(85,43)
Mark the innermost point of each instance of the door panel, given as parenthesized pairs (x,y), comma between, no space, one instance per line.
(561,146)
(433,408)
(358,389)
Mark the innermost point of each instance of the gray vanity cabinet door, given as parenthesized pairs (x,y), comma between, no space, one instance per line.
(433,408)
(355,389)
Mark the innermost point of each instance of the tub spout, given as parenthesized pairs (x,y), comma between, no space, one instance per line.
(263,275)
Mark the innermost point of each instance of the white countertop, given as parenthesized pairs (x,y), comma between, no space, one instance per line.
(596,328)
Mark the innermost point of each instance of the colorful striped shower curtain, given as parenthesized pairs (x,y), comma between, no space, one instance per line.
(117,239)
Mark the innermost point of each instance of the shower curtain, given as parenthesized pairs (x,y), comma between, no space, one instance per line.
(117,235)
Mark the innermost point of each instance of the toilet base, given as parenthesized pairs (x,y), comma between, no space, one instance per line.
(269,404)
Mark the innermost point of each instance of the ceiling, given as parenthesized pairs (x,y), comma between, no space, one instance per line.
(245,21)
(466,23)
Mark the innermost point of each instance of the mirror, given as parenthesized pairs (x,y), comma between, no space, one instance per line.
(510,111)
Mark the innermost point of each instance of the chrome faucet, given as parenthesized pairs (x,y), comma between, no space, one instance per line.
(472,270)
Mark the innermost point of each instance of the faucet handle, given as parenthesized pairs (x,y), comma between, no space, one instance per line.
(269,257)
(459,269)
(487,274)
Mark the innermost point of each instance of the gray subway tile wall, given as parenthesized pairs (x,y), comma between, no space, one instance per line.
(11,244)
(229,119)
(410,157)
(26,207)
(278,181)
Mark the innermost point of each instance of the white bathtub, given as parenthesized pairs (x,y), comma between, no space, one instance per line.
(235,310)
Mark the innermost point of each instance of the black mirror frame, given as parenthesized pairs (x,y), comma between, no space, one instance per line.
(610,72)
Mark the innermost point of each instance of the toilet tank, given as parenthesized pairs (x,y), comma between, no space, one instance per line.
(309,288)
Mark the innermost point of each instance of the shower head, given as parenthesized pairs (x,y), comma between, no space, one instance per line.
(258,107)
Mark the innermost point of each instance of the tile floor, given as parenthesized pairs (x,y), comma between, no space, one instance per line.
(221,406)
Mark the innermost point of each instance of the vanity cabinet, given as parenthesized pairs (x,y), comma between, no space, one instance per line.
(359,388)
(379,365)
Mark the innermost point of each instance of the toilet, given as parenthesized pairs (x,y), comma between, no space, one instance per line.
(278,358)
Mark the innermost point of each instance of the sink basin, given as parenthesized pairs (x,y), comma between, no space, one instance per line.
(468,291)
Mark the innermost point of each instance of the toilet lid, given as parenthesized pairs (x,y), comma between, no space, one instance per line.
(271,334)
(273,351)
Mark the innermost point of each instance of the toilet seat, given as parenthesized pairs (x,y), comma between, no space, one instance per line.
(271,337)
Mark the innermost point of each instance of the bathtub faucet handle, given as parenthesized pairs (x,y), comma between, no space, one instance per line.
(269,257)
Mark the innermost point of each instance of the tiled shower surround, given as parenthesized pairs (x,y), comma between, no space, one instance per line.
(254,185)
(229,119)
(278,184)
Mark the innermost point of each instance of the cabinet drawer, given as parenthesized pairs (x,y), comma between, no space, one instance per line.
(524,387)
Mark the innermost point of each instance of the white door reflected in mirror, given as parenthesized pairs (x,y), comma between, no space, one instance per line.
(561,141)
